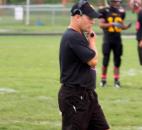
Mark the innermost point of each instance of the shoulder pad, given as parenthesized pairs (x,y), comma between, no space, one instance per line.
(104,10)
(101,7)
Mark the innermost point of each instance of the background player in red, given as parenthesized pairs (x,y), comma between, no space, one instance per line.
(135,5)
(112,22)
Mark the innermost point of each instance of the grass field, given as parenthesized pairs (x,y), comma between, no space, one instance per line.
(29,83)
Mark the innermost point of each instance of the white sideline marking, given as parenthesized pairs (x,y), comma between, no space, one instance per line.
(52,123)
(121,101)
(7,90)
(44,98)
(132,72)
(5,30)
(140,128)
(129,36)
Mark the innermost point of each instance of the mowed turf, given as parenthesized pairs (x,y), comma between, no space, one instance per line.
(29,84)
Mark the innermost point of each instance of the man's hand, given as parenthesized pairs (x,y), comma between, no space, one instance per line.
(129,25)
(116,24)
(91,36)
(140,44)
(122,26)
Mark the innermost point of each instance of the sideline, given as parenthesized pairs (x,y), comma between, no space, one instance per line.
(30,34)
(125,35)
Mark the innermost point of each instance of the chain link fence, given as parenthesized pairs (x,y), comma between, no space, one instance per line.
(52,18)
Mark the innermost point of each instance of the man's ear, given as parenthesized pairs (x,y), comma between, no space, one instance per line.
(77,17)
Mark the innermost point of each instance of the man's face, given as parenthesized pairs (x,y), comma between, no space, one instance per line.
(86,23)
(115,4)
(135,5)
(136,10)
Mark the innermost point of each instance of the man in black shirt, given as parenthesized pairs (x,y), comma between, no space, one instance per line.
(136,6)
(112,22)
(78,56)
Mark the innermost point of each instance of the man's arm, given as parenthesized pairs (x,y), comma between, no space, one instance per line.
(103,24)
(121,25)
(124,26)
(92,44)
(140,43)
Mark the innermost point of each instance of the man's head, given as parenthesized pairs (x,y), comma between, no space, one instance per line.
(115,3)
(83,15)
(84,8)
(135,5)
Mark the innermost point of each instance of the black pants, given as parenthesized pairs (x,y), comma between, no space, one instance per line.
(117,49)
(140,54)
(81,110)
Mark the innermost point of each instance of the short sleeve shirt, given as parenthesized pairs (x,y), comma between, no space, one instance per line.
(74,55)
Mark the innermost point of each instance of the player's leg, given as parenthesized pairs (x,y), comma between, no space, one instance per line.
(106,49)
(140,54)
(117,50)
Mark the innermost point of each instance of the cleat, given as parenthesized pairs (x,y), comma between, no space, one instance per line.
(103,83)
(117,83)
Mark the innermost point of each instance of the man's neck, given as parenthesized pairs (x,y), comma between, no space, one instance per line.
(74,27)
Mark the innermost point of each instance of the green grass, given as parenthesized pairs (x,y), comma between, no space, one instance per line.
(29,65)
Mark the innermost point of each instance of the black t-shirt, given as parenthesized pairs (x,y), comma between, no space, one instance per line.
(110,15)
(139,26)
(73,58)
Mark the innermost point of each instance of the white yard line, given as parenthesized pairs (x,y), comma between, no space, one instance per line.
(132,72)
(52,123)
(44,98)
(7,90)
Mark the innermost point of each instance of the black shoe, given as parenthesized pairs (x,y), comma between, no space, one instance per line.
(103,83)
(117,83)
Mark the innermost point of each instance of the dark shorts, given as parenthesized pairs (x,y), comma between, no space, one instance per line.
(81,110)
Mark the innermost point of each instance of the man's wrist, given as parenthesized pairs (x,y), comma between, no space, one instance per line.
(92,34)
